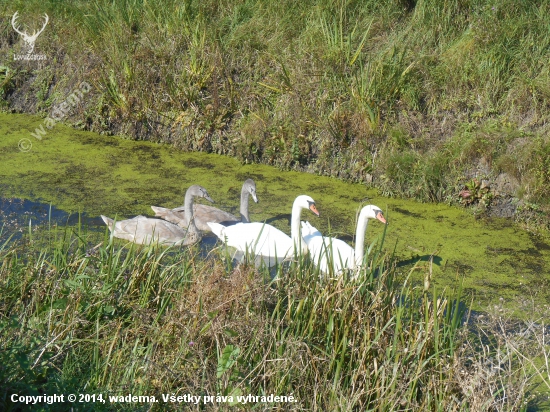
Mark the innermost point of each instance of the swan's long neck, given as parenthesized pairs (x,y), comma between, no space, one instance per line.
(244,205)
(360,237)
(295,234)
(189,214)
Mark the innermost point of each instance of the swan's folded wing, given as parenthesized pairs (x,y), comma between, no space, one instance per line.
(257,238)
(130,226)
(170,215)
(308,230)
(143,230)
(267,240)
(205,213)
(328,252)
(170,230)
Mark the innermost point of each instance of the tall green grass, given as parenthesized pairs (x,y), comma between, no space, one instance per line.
(117,319)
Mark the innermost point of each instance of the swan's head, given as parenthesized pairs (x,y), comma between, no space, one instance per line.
(373,212)
(199,191)
(306,202)
(250,187)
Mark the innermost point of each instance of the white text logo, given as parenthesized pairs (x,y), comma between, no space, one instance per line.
(29,39)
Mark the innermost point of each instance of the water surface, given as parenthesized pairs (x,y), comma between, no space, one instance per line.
(91,174)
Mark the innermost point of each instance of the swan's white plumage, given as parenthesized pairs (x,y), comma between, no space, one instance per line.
(332,255)
(341,254)
(265,242)
(262,241)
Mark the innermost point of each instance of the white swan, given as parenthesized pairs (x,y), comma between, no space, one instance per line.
(266,242)
(205,213)
(332,255)
(145,230)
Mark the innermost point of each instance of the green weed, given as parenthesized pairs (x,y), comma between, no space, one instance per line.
(118,319)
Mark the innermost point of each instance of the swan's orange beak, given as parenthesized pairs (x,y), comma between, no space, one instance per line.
(313,208)
(381,217)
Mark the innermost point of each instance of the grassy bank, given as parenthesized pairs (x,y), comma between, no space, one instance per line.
(116,320)
(419,98)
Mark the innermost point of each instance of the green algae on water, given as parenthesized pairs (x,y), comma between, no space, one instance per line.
(81,171)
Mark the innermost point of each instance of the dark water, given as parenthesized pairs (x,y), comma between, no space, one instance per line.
(17,214)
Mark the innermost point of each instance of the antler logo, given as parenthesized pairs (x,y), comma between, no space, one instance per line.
(30,39)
